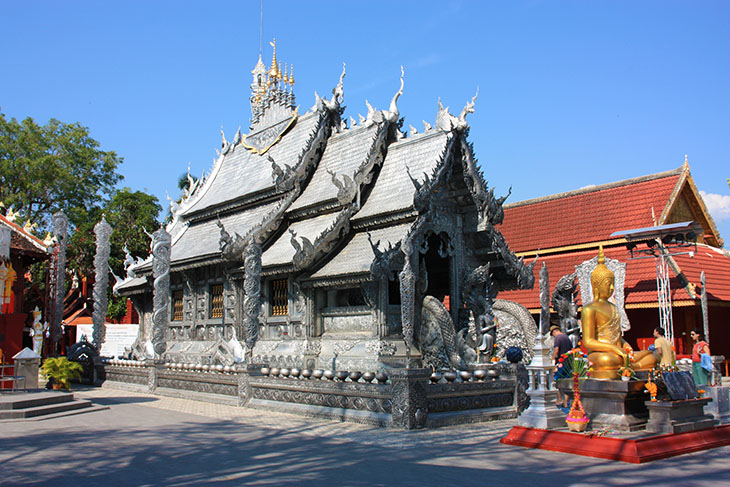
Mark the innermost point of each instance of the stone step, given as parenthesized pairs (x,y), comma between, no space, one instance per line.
(71,412)
(54,408)
(24,400)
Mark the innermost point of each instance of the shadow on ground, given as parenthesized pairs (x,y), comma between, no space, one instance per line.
(156,451)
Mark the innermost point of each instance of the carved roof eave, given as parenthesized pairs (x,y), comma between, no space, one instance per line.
(489,207)
(131,290)
(239,204)
(308,254)
(337,281)
(385,219)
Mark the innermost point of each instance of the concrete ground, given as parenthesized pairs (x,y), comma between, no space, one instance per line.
(144,440)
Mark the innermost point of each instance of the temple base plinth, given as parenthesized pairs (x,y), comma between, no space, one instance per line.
(615,404)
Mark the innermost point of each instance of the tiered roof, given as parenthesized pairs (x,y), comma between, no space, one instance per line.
(310,189)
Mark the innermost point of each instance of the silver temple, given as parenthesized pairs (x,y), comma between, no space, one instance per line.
(316,245)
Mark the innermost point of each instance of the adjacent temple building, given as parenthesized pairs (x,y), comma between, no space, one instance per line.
(314,243)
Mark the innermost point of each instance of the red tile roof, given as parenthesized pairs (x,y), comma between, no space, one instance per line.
(587,215)
(640,286)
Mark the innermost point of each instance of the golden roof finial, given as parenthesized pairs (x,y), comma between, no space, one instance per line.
(286,77)
(273,71)
(279,75)
(291,75)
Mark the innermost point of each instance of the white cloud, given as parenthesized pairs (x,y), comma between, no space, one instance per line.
(717,204)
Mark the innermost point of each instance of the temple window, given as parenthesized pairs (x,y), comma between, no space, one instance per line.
(278,290)
(216,301)
(177,305)
(349,297)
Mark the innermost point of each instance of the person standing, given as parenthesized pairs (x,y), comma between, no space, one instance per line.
(663,350)
(562,344)
(699,374)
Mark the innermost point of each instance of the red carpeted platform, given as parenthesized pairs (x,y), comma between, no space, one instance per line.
(631,450)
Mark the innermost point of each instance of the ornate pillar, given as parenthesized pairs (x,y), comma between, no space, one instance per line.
(410,404)
(161,243)
(5,242)
(252,300)
(103,232)
(407,299)
(60,228)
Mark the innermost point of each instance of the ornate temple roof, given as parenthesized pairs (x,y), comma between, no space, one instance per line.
(310,189)
(240,174)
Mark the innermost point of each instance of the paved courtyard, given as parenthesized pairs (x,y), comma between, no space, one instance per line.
(144,440)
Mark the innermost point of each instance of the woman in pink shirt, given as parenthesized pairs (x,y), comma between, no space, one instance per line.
(700,375)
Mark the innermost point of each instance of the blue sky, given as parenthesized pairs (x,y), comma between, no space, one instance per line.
(571,93)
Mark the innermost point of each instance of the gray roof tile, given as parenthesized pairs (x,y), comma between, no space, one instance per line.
(282,252)
(201,239)
(393,189)
(242,172)
(344,154)
(357,255)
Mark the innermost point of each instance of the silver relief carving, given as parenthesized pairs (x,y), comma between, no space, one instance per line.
(252,294)
(381,348)
(103,232)
(564,303)
(60,229)
(161,243)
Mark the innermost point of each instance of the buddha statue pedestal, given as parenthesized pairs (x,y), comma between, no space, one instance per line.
(615,404)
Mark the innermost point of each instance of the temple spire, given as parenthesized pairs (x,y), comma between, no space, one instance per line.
(272,88)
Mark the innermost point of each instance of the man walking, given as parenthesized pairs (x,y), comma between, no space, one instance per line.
(562,344)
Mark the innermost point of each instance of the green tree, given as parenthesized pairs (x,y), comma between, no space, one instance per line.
(44,168)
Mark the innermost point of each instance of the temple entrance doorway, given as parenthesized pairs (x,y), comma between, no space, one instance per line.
(437,263)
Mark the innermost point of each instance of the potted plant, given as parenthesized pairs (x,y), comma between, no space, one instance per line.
(60,371)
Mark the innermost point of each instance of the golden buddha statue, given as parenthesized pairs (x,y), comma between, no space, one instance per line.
(601,325)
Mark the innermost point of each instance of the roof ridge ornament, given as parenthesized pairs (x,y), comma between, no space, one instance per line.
(338,92)
(393,114)
(468,108)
